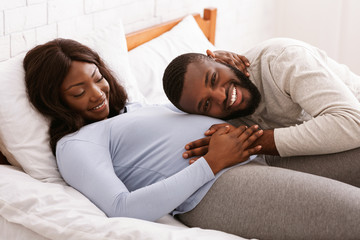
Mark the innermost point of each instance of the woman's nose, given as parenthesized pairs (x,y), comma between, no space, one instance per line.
(96,93)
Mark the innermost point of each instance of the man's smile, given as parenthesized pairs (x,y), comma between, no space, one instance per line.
(235,97)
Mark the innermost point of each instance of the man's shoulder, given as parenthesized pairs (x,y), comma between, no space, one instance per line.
(277,45)
(282,43)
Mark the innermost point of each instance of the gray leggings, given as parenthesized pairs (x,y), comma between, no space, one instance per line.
(267,202)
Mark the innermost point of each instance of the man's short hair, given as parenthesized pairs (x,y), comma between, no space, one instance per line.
(174,75)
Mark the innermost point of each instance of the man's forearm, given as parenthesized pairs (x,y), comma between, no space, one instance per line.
(267,142)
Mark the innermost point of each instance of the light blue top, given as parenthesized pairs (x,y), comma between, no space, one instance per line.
(131,165)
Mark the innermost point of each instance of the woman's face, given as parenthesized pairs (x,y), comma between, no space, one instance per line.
(86,91)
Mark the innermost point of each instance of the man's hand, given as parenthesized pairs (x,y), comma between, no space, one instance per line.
(267,142)
(200,147)
(233,59)
(229,148)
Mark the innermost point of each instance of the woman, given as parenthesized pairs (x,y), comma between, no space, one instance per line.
(130,164)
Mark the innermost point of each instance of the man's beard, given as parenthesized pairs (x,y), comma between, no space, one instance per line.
(244,82)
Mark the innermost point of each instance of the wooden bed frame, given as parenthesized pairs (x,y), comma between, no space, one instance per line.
(207,23)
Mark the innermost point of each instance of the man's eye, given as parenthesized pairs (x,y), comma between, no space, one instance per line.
(213,78)
(206,106)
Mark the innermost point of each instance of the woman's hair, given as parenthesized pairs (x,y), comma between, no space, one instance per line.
(174,75)
(46,66)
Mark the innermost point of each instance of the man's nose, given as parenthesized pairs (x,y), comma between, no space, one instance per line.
(219,96)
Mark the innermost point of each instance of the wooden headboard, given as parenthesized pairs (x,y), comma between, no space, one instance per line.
(207,23)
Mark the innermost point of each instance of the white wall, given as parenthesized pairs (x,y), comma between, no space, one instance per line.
(26,23)
(243,23)
(328,24)
(331,25)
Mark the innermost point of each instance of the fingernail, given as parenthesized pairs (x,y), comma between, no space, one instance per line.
(191,161)
(207,132)
(260,132)
(185,155)
(187,147)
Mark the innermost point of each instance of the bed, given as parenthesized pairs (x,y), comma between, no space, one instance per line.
(35,202)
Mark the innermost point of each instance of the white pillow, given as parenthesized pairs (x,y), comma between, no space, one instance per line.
(23,131)
(111,45)
(148,61)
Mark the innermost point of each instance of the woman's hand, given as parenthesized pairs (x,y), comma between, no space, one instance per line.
(227,148)
(200,147)
(233,59)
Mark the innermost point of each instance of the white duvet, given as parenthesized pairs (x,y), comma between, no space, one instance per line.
(34,210)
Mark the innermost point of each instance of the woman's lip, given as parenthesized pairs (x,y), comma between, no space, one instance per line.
(100,106)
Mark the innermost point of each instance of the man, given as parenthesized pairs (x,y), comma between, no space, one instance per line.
(307,103)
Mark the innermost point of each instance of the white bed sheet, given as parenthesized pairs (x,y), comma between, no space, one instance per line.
(31,209)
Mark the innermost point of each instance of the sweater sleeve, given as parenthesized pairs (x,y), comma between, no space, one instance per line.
(306,79)
(88,168)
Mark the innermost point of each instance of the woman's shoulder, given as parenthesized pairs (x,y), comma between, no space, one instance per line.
(91,133)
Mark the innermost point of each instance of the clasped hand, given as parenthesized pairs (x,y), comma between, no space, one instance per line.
(224,145)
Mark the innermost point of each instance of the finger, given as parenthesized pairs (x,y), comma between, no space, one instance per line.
(210,53)
(210,132)
(238,131)
(246,73)
(201,151)
(253,137)
(248,132)
(214,128)
(198,143)
(241,65)
(252,151)
(223,130)
(191,161)
(220,60)
(244,60)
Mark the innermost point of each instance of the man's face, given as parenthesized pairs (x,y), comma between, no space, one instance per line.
(214,89)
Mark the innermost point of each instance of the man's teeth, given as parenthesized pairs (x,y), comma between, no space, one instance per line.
(233,96)
(102,104)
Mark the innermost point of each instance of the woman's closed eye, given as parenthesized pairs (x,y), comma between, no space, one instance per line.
(100,79)
(79,95)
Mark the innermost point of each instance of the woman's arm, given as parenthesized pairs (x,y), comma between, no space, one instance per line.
(88,168)
(91,172)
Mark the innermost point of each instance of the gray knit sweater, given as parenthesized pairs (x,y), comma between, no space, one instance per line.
(310,100)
